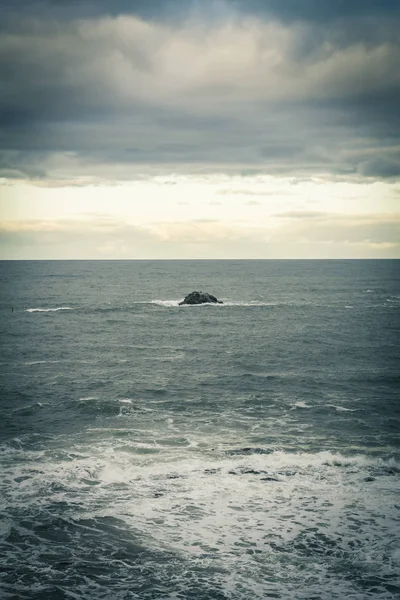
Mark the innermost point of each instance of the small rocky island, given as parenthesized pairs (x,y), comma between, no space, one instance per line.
(200,298)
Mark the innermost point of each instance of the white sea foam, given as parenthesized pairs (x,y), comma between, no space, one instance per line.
(165,357)
(253,303)
(168,303)
(40,362)
(342,408)
(56,309)
(29,407)
(225,303)
(281,510)
(302,404)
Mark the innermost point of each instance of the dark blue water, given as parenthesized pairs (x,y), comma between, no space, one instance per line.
(242,451)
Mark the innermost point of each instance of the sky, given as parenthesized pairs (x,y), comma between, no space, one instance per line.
(166,129)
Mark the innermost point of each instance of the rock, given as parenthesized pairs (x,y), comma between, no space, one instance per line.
(246,472)
(247,451)
(200,298)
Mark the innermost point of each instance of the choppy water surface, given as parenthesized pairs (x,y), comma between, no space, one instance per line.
(242,451)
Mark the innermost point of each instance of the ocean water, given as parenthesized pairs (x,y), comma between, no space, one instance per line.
(242,451)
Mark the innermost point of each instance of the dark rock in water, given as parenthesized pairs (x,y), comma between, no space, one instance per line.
(253,472)
(200,298)
(287,473)
(245,471)
(247,451)
(212,471)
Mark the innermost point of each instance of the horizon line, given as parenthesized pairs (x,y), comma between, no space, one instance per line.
(191,259)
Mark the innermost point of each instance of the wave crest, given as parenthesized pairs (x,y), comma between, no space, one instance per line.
(56,309)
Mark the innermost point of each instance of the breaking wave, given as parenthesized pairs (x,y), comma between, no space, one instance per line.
(225,303)
(56,309)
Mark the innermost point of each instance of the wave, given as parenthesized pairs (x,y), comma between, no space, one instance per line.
(29,408)
(254,303)
(167,303)
(338,408)
(277,459)
(109,309)
(171,303)
(175,303)
(56,309)
(225,303)
(248,451)
(302,404)
(342,408)
(39,362)
(94,406)
(301,517)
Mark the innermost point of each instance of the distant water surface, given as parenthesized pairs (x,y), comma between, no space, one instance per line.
(242,451)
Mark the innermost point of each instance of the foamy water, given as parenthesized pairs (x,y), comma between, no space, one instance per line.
(240,451)
(56,309)
(227,514)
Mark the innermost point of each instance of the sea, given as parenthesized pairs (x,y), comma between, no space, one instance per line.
(241,451)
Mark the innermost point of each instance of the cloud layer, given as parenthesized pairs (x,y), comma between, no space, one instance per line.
(227,128)
(116,90)
(297,234)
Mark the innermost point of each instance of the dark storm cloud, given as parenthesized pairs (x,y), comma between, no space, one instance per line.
(288,87)
(82,8)
(320,10)
(381,167)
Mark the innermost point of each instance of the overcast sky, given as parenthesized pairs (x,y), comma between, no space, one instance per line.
(199,129)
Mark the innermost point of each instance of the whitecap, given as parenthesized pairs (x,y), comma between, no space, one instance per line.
(342,408)
(39,362)
(251,303)
(168,303)
(32,310)
(222,511)
(223,304)
(126,401)
(302,405)
(396,555)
